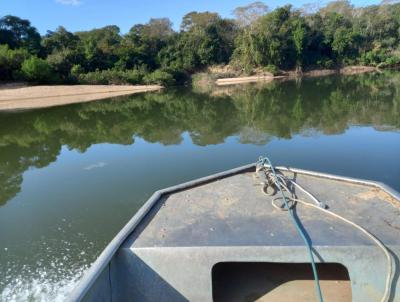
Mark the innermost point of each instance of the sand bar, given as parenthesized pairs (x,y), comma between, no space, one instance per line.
(239,80)
(49,96)
(269,77)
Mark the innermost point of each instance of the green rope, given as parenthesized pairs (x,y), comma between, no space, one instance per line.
(299,229)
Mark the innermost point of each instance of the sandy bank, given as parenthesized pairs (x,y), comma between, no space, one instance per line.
(348,70)
(251,79)
(49,96)
(266,77)
(357,69)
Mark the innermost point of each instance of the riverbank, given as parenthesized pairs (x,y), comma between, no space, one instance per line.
(240,80)
(18,96)
(347,70)
(32,97)
(261,76)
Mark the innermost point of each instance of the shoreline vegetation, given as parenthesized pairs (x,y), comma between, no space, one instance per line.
(258,44)
(21,96)
(286,41)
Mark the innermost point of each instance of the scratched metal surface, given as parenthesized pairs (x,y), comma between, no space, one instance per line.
(234,212)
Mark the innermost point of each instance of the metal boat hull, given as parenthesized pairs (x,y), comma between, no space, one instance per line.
(171,248)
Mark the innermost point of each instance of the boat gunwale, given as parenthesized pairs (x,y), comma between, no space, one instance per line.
(106,255)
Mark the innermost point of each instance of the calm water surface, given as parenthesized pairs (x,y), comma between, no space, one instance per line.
(71,177)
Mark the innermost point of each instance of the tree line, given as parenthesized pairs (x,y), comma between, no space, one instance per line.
(285,38)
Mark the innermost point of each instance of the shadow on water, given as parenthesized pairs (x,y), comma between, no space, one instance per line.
(254,113)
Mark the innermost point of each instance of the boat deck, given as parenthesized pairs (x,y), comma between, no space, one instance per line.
(220,239)
(235,212)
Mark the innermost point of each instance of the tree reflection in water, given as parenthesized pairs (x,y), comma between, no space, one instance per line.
(254,113)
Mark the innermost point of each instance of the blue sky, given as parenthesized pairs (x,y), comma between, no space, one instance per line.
(78,15)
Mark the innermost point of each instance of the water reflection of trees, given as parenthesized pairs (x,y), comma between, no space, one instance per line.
(254,113)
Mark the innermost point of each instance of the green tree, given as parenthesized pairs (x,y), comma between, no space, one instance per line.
(202,19)
(342,42)
(100,47)
(37,70)
(145,41)
(62,61)
(299,38)
(18,33)
(59,40)
(157,28)
(271,41)
(199,46)
(11,61)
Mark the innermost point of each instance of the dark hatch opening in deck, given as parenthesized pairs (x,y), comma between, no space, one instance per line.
(290,282)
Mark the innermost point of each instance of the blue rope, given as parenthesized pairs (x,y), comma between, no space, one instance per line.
(299,229)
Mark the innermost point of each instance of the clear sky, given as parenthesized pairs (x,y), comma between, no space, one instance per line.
(78,15)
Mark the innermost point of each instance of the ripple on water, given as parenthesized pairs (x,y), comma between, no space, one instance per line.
(41,287)
(50,273)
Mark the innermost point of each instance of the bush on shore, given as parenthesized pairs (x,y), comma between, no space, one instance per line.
(108,77)
(11,61)
(37,70)
(120,77)
(159,77)
(380,58)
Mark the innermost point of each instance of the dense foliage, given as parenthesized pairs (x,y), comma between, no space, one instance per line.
(285,38)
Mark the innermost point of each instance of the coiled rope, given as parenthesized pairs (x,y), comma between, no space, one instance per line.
(282,183)
(277,183)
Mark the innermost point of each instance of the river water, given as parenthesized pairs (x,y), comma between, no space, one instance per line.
(72,176)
